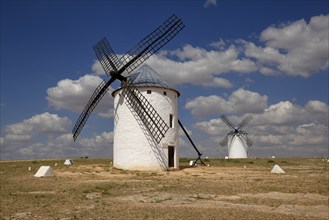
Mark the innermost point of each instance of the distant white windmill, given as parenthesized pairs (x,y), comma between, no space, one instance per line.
(237,140)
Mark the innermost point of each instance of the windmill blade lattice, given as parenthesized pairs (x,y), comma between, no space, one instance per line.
(227,122)
(151,44)
(106,56)
(145,111)
(141,51)
(224,141)
(99,92)
(248,141)
(244,122)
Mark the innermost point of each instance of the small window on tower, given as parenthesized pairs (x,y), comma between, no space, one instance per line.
(164,93)
(171,121)
(149,91)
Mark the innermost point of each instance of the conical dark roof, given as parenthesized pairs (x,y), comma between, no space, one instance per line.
(146,76)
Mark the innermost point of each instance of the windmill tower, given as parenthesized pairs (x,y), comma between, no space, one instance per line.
(154,125)
(146,149)
(237,140)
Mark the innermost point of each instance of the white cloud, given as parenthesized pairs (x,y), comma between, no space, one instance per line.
(218,82)
(318,111)
(315,106)
(199,66)
(203,106)
(209,3)
(48,136)
(97,68)
(220,44)
(283,113)
(310,134)
(264,56)
(239,101)
(22,137)
(214,126)
(44,123)
(286,113)
(73,95)
(243,100)
(298,48)
(24,134)
(17,137)
(298,33)
(105,139)
(295,49)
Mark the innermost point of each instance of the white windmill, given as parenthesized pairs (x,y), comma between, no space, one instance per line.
(237,140)
(146,118)
(138,143)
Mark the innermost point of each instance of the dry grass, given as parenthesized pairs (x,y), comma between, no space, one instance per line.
(92,189)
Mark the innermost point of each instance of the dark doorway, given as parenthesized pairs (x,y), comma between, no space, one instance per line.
(171,156)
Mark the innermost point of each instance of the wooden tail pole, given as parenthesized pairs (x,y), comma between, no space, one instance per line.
(188,136)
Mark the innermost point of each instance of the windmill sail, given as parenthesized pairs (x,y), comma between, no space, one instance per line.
(244,122)
(139,104)
(99,92)
(224,141)
(151,44)
(106,56)
(227,122)
(128,62)
(145,111)
(248,141)
(141,51)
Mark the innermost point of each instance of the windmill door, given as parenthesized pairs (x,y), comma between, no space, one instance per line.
(171,156)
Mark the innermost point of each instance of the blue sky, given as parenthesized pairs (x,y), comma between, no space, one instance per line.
(268,58)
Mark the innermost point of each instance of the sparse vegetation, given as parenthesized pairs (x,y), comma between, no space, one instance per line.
(237,189)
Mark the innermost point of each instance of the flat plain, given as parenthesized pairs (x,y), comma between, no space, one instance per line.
(226,189)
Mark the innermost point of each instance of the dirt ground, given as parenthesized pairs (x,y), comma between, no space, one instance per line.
(226,189)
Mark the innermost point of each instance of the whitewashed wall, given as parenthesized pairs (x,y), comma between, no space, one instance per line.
(133,147)
(237,147)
